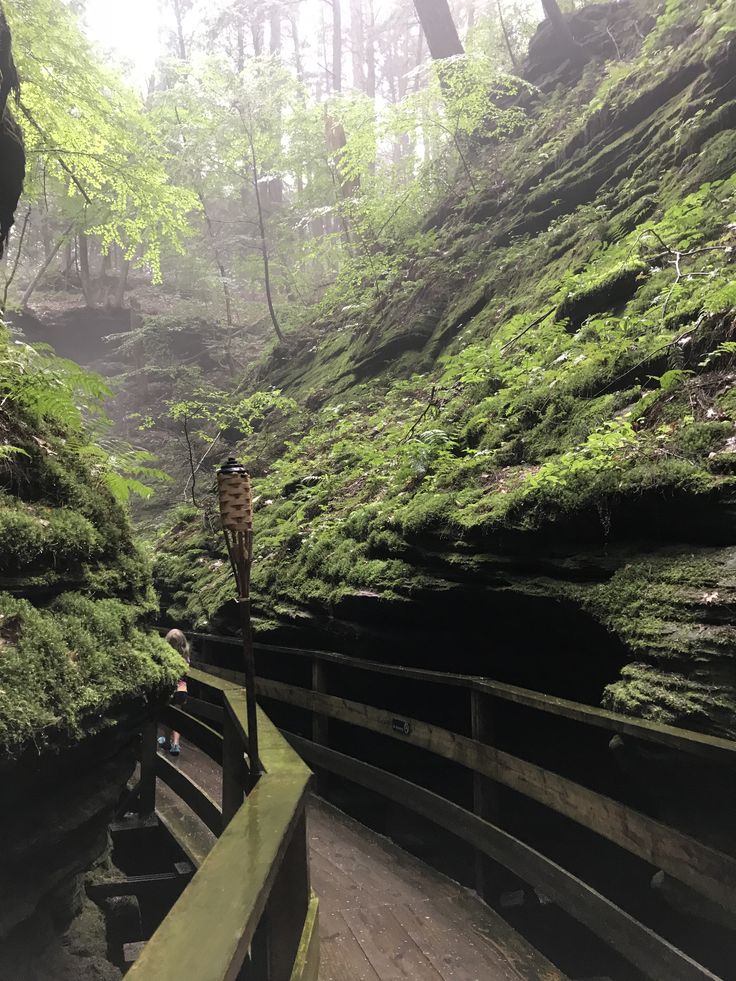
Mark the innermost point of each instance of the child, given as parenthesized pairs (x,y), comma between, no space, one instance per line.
(179,642)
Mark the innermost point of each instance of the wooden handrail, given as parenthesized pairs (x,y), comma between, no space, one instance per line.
(232,916)
(652,954)
(709,872)
(704,869)
(688,740)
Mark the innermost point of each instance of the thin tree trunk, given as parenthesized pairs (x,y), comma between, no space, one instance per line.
(502,21)
(325,67)
(240,48)
(299,67)
(336,46)
(68,262)
(18,252)
(223,281)
(118,296)
(357,43)
(275,30)
(45,232)
(84,273)
(439,28)
(257,32)
(180,30)
(471,16)
(404,59)
(370,53)
(262,228)
(42,271)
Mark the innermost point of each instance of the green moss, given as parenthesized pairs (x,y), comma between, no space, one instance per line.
(68,660)
(608,291)
(698,440)
(673,699)
(63,669)
(44,536)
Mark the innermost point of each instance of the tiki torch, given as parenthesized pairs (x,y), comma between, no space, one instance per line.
(236,511)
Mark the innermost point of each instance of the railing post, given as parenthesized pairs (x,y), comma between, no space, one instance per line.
(149,746)
(288,905)
(279,932)
(320,732)
(233,769)
(320,722)
(485,794)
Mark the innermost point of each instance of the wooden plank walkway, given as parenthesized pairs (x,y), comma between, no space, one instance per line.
(384,915)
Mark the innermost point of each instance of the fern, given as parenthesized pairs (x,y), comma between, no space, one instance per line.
(725,350)
(57,396)
(7,451)
(48,389)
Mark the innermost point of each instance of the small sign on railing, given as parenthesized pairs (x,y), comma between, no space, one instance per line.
(402,726)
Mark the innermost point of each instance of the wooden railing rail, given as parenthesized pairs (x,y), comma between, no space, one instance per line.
(687,740)
(248,913)
(709,872)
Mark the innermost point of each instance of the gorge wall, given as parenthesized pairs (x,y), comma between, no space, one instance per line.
(78,669)
(516,456)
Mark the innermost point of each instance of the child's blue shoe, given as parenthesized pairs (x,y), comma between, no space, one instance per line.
(174,749)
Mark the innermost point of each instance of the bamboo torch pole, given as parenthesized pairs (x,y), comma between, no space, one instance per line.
(236,511)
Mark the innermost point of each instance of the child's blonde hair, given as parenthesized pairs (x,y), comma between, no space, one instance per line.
(179,642)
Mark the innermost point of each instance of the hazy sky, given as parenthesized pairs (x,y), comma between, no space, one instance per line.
(129,30)
(132,31)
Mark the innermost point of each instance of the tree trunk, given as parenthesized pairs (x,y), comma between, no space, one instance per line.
(557,19)
(336,46)
(470,23)
(84,272)
(357,43)
(439,28)
(42,271)
(257,32)
(118,295)
(67,263)
(178,14)
(218,262)
(502,21)
(370,53)
(275,30)
(9,277)
(325,66)
(262,228)
(298,65)
(240,48)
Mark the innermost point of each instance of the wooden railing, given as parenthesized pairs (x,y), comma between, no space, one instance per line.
(701,868)
(248,913)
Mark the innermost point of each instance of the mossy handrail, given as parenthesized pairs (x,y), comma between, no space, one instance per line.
(248,913)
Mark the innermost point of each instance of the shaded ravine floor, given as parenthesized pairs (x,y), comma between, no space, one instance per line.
(384,915)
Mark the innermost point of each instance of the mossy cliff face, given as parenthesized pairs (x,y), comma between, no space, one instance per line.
(74,589)
(78,671)
(524,445)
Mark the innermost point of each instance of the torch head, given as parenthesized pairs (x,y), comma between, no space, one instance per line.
(236,498)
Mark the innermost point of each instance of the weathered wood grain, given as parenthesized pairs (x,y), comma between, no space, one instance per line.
(708,871)
(193,796)
(651,953)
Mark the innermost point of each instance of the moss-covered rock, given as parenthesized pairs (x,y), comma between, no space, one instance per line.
(75,589)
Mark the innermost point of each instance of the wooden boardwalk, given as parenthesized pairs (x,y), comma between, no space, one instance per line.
(384,915)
